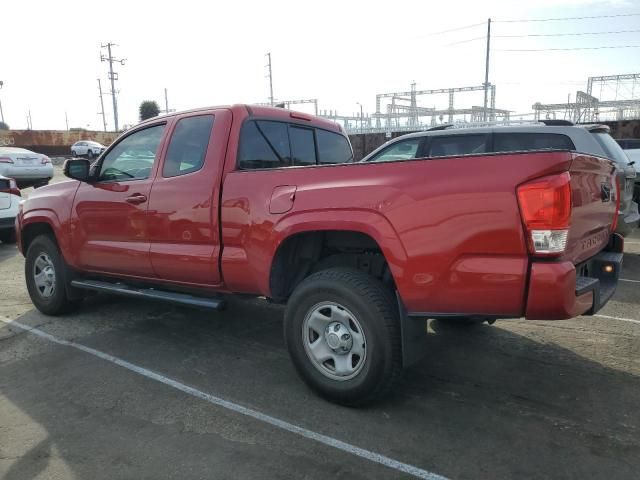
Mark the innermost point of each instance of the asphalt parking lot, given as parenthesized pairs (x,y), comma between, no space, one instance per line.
(214,395)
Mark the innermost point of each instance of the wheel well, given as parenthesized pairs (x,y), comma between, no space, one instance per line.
(31,231)
(305,253)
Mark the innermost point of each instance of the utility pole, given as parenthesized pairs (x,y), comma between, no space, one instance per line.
(66,120)
(486,70)
(104,120)
(166,102)
(29,123)
(270,80)
(113,76)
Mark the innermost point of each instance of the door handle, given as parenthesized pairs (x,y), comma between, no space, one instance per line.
(136,198)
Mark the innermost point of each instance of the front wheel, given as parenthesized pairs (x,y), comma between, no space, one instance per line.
(342,332)
(46,275)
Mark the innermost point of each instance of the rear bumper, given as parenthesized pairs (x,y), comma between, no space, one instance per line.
(559,291)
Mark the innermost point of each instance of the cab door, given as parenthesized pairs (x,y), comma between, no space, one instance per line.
(109,218)
(183,209)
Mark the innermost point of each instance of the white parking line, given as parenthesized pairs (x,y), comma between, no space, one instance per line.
(630,320)
(629,280)
(234,407)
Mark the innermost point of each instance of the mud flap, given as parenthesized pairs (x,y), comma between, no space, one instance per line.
(414,335)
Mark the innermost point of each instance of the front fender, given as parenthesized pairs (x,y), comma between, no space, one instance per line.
(51,219)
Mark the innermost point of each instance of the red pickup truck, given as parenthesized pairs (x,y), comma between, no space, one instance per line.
(194,206)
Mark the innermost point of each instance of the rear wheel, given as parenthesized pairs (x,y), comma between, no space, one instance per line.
(46,275)
(342,332)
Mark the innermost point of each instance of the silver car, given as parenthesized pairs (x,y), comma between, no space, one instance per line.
(26,167)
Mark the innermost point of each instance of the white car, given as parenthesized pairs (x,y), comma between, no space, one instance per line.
(87,147)
(26,167)
(9,201)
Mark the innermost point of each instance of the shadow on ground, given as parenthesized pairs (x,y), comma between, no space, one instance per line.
(483,403)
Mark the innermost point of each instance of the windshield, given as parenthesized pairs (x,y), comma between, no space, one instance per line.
(611,148)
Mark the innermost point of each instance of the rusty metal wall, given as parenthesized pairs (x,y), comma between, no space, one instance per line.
(52,142)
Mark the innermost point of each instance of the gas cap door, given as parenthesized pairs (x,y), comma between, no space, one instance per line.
(282,198)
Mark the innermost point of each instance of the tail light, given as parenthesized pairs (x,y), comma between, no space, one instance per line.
(6,160)
(45,160)
(614,224)
(545,206)
(10,186)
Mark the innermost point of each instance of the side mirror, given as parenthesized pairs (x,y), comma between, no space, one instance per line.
(77,168)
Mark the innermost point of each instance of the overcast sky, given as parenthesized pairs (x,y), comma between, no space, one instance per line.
(341,52)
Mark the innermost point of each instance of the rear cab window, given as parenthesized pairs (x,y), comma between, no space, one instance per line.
(268,144)
(333,148)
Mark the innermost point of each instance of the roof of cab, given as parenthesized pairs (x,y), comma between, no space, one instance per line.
(260,111)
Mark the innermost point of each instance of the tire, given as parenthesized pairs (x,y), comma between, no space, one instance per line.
(8,236)
(50,301)
(365,310)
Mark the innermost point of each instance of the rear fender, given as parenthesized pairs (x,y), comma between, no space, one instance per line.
(367,222)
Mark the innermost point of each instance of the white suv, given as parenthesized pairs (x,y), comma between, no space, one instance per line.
(87,147)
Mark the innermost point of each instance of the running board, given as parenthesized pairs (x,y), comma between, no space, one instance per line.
(150,294)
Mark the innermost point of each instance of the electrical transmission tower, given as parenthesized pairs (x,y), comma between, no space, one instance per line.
(113,76)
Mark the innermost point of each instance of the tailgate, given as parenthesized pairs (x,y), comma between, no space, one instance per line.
(593,206)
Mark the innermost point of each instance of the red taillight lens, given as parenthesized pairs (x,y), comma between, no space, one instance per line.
(545,203)
(614,224)
(45,160)
(9,186)
(545,206)
(13,188)
(6,160)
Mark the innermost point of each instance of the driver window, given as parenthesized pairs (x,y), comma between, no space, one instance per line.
(133,157)
(403,150)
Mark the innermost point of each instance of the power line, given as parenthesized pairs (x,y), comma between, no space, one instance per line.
(557,19)
(465,41)
(564,34)
(564,49)
(453,29)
